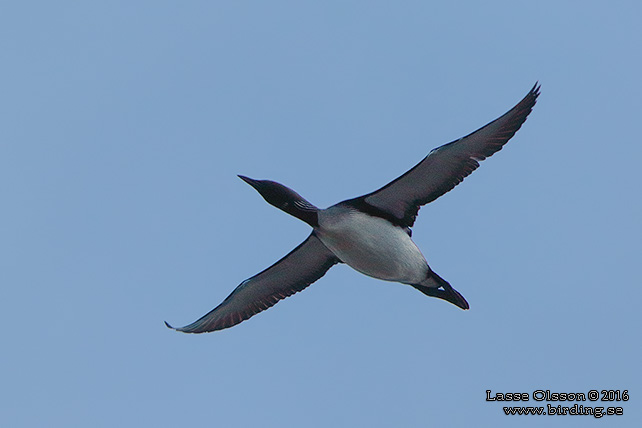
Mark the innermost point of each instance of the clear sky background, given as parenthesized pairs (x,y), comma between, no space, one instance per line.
(123,126)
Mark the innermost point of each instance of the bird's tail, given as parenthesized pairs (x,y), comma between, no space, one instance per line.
(436,286)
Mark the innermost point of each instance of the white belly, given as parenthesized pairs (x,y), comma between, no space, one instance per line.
(371,245)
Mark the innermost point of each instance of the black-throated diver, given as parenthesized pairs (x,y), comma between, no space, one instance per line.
(370,233)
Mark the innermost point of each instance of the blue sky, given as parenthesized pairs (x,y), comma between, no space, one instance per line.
(123,126)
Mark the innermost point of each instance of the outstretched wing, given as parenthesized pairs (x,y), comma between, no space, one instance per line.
(294,272)
(447,166)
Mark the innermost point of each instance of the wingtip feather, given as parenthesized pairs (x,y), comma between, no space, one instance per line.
(535,91)
(168,325)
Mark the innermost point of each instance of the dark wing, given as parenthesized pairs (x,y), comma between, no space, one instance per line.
(294,272)
(447,166)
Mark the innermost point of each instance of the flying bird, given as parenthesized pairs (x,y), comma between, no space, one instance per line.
(370,233)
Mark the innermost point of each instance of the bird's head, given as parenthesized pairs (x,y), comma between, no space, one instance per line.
(285,199)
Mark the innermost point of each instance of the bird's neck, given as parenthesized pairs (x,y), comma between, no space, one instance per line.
(303,210)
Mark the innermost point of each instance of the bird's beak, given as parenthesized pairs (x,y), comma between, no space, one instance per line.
(249,181)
